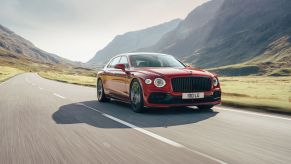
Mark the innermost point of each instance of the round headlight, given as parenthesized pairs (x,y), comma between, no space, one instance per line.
(159,82)
(215,81)
(148,81)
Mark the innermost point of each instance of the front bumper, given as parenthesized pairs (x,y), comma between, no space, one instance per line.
(163,99)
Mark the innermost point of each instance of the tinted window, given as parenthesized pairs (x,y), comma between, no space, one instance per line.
(114,62)
(155,60)
(124,61)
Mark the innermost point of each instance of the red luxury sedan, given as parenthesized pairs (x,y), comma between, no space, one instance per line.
(156,80)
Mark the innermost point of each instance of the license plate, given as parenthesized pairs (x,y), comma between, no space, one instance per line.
(197,95)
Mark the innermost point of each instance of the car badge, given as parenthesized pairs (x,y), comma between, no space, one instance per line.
(191,72)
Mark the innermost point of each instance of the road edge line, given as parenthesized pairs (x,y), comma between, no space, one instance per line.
(9,78)
(252,113)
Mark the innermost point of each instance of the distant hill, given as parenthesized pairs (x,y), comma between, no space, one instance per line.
(227,32)
(133,41)
(19,52)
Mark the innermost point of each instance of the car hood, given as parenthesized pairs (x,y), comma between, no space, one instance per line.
(168,72)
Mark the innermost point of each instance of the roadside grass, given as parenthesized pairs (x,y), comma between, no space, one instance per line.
(8,72)
(258,92)
(280,72)
(70,78)
(236,70)
(263,92)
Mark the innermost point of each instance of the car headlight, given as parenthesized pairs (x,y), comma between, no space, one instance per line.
(148,81)
(159,82)
(215,81)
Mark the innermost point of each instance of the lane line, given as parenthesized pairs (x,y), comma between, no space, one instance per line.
(40,88)
(253,113)
(3,83)
(153,135)
(163,139)
(60,96)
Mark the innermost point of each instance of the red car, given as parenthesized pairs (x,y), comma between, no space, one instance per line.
(156,80)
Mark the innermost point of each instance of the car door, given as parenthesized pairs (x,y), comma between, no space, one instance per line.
(118,81)
(109,77)
(123,79)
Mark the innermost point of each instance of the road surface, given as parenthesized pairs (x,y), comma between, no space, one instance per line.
(43,121)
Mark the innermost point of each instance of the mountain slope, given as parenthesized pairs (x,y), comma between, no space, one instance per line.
(15,50)
(133,41)
(274,61)
(224,32)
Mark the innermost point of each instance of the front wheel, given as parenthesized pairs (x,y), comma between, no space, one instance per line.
(205,107)
(100,92)
(136,97)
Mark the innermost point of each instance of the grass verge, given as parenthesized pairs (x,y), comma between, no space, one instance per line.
(70,78)
(259,92)
(8,72)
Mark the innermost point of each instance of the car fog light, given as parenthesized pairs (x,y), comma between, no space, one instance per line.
(148,81)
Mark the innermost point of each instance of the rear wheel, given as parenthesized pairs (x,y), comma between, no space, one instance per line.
(205,107)
(136,97)
(100,92)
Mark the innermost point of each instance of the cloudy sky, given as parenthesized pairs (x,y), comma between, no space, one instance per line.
(77,29)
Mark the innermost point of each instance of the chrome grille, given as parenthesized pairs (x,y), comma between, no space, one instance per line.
(191,84)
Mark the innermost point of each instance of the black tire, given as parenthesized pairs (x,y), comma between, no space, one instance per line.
(100,92)
(205,107)
(136,97)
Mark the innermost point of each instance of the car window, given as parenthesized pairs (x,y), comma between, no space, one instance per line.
(148,60)
(114,62)
(124,61)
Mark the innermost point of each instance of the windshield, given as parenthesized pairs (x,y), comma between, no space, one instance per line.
(155,60)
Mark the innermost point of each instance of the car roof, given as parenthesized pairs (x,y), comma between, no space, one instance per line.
(139,53)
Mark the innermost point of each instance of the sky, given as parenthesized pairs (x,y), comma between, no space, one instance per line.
(77,29)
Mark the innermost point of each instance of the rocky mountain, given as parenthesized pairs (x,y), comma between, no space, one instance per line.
(15,50)
(275,60)
(227,32)
(133,41)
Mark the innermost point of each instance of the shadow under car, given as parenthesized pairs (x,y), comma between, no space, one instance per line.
(158,117)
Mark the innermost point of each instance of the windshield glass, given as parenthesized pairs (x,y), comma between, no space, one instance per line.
(155,60)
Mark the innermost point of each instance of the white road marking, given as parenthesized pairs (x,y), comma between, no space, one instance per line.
(35,75)
(2,83)
(158,137)
(62,97)
(163,139)
(253,113)
(28,81)
(107,145)
(40,88)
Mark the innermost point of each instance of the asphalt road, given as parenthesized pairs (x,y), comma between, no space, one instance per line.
(43,121)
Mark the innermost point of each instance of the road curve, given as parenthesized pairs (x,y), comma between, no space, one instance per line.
(43,121)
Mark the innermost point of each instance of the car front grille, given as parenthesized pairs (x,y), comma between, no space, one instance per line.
(191,84)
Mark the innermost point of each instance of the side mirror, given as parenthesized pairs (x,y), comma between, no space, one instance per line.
(120,66)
